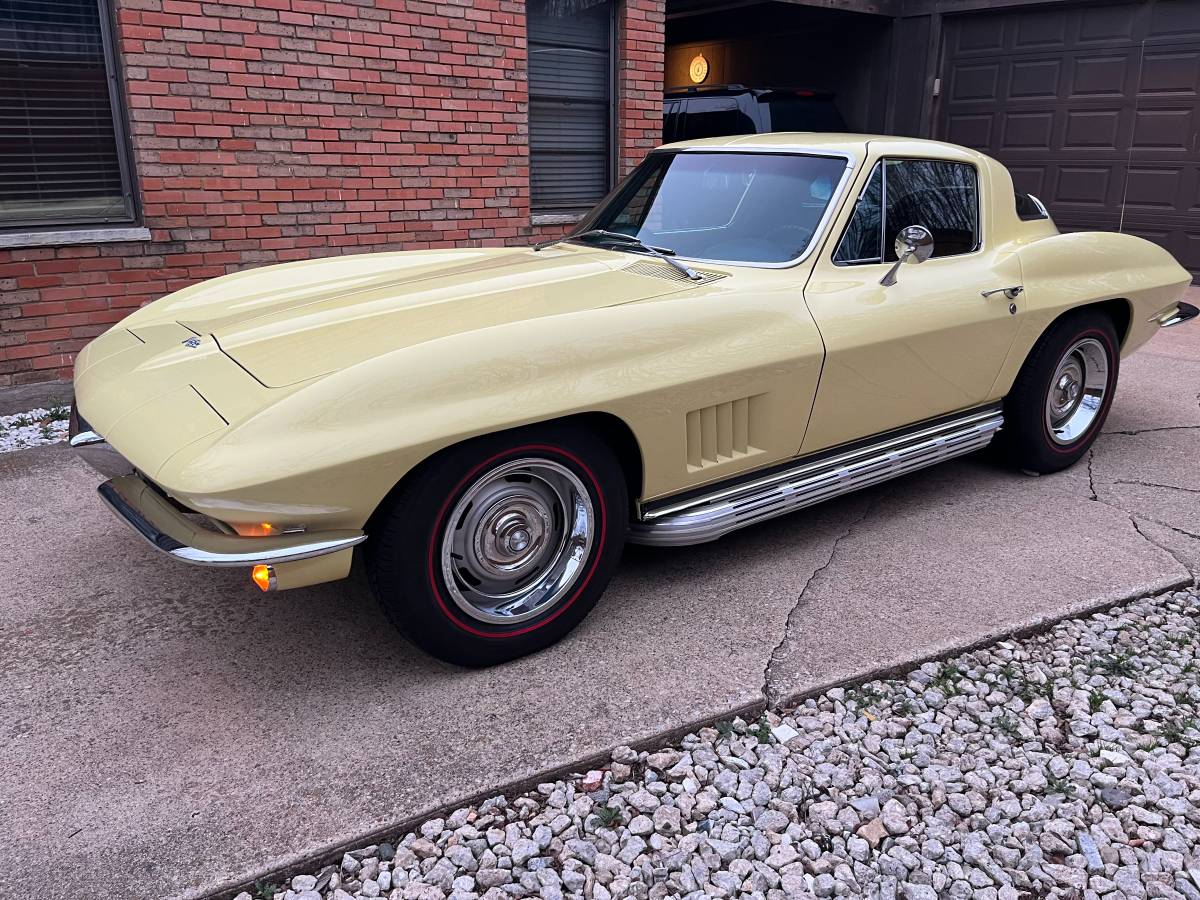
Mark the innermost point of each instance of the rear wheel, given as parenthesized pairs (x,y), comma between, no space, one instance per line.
(1063,392)
(500,546)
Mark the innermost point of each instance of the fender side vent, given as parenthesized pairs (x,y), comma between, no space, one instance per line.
(668,272)
(720,433)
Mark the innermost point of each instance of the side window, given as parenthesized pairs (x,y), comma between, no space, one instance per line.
(672,120)
(942,196)
(862,240)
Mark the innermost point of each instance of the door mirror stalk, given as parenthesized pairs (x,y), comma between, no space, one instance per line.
(913,244)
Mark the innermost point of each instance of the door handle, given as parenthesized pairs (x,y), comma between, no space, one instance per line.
(1009,292)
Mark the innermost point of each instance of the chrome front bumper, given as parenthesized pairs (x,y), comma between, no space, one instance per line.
(156,518)
(94,449)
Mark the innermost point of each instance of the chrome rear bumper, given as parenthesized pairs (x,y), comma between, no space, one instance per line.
(143,508)
(1184,312)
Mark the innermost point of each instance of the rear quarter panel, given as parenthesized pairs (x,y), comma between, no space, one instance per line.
(1065,271)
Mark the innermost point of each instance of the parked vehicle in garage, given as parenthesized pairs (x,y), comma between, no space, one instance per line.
(734,109)
(745,327)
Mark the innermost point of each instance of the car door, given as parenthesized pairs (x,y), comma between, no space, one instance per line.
(929,344)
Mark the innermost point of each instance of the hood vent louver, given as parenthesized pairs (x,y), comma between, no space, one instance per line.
(668,272)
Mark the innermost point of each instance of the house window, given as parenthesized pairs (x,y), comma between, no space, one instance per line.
(570,104)
(62,158)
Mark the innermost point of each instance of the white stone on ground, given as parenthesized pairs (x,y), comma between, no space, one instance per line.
(1063,766)
(33,428)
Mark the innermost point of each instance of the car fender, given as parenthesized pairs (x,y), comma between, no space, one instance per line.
(331,449)
(1062,272)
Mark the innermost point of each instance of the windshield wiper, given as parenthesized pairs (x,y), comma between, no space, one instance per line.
(664,253)
(542,245)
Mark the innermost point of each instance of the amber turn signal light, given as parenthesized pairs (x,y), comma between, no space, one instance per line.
(255,529)
(264,577)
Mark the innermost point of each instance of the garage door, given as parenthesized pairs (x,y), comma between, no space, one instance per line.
(1095,109)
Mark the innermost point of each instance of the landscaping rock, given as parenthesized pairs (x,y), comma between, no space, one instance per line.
(1062,766)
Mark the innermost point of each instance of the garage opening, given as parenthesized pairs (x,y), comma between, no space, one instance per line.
(814,58)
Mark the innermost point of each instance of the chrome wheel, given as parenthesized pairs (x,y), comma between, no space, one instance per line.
(1077,391)
(516,541)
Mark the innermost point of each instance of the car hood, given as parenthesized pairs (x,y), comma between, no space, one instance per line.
(290,323)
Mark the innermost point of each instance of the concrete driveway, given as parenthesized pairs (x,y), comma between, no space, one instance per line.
(170,731)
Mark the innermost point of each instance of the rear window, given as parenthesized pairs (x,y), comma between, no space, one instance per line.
(1030,208)
(704,117)
(800,112)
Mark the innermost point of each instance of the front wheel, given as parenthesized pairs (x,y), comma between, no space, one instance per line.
(500,546)
(1063,392)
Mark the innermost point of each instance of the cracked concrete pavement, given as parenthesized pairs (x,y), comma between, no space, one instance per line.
(170,731)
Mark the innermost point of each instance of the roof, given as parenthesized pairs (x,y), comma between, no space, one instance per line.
(854,144)
(709,90)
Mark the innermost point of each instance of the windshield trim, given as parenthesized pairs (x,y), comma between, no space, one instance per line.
(822,227)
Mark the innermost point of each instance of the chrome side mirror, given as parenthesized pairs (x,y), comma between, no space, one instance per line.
(913,244)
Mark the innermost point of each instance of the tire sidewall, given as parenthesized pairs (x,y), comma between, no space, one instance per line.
(403,557)
(1026,435)
(1080,444)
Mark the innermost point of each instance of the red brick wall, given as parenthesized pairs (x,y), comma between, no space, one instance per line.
(639,79)
(271,130)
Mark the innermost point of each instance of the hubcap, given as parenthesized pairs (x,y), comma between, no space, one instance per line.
(1077,391)
(516,541)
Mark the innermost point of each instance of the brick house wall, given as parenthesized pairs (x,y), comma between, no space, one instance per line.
(272,130)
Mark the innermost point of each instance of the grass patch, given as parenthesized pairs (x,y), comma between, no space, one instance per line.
(608,815)
(762,731)
(1119,664)
(1056,785)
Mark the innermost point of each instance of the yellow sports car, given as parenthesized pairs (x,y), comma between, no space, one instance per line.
(744,327)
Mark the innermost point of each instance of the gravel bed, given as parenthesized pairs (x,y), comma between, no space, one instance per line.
(33,428)
(1065,765)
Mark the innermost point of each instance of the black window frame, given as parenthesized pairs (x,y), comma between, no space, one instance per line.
(122,147)
(555,214)
(881,167)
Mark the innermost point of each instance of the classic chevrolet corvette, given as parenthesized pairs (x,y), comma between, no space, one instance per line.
(744,327)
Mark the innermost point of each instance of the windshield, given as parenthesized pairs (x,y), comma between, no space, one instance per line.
(722,206)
